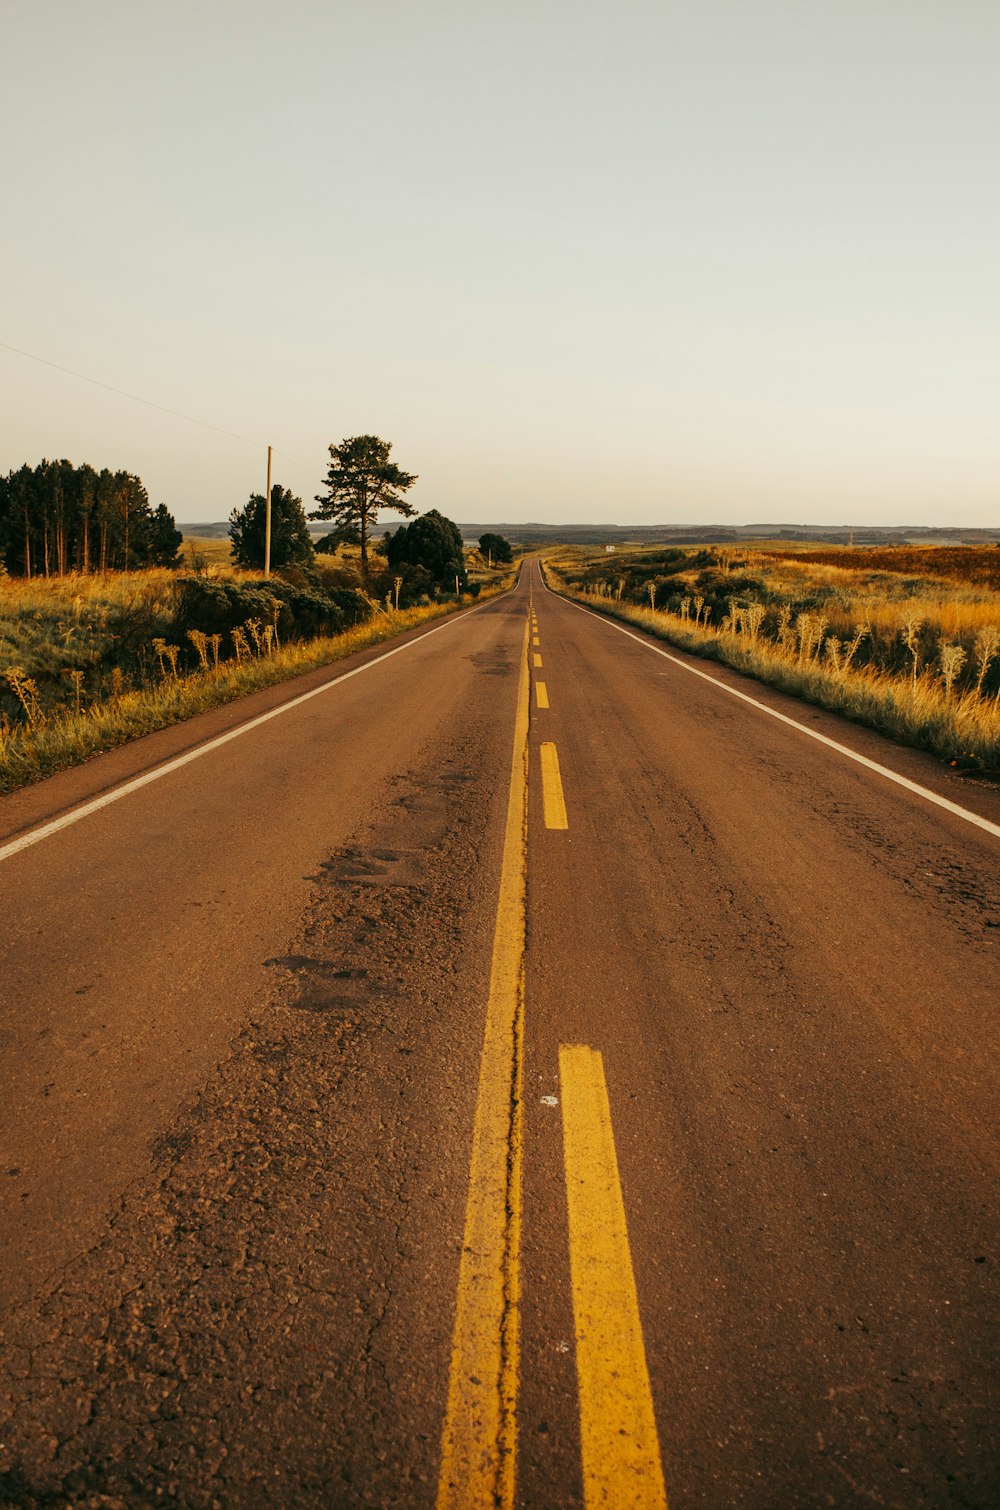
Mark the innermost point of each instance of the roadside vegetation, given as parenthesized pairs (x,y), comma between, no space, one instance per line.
(904,640)
(93,653)
(91,661)
(87,664)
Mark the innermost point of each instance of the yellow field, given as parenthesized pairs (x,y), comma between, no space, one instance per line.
(199,551)
(916,656)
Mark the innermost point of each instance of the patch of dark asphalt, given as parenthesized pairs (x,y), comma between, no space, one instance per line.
(499,661)
(266,1320)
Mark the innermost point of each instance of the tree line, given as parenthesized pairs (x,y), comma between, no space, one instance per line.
(57,518)
(418,558)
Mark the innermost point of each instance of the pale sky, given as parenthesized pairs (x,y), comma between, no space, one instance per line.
(703,262)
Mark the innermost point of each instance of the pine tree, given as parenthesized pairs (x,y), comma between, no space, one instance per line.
(290,542)
(57,518)
(163,539)
(360,481)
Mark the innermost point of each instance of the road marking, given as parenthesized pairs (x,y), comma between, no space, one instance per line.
(620,1450)
(541,695)
(535,640)
(823,739)
(479,1441)
(537,661)
(36,835)
(552,791)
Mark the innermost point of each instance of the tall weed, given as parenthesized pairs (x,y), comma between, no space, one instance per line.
(36,741)
(899,670)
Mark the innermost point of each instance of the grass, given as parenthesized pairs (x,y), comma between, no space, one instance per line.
(200,551)
(54,627)
(916,658)
(970,564)
(63,643)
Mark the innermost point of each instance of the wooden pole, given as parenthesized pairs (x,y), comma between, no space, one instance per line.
(267,519)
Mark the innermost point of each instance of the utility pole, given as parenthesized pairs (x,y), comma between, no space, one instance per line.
(267,519)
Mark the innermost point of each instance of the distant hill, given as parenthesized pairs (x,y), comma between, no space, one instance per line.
(215,531)
(682,534)
(703,534)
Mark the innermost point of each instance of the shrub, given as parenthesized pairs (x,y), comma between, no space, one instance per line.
(220,605)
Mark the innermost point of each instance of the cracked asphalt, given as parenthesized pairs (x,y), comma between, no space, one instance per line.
(234,1336)
(241,1028)
(271,1289)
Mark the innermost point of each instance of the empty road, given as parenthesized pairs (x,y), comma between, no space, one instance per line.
(504,1069)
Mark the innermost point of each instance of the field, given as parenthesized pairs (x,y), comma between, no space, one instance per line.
(200,551)
(974,565)
(905,639)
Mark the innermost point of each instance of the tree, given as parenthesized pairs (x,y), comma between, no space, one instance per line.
(434,543)
(329,544)
(495,548)
(163,540)
(360,481)
(290,543)
(57,518)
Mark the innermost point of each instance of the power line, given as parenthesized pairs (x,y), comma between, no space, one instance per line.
(298,465)
(150,403)
(122,393)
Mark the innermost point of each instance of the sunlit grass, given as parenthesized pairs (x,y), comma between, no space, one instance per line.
(199,551)
(47,740)
(918,665)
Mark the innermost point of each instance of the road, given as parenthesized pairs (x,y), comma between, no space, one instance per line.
(518,1071)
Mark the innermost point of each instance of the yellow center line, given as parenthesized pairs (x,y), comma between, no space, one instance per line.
(620,1450)
(553,803)
(536,640)
(541,694)
(479,1441)
(537,661)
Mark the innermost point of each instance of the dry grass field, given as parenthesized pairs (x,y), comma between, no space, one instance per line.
(199,551)
(904,639)
(976,565)
(89,662)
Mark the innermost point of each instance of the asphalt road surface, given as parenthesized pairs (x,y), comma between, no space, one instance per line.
(520,1073)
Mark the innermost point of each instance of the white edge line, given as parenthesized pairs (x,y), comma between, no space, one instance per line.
(872,765)
(36,835)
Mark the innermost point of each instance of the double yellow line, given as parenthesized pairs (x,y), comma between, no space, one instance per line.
(480,1434)
(553,800)
(620,1452)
